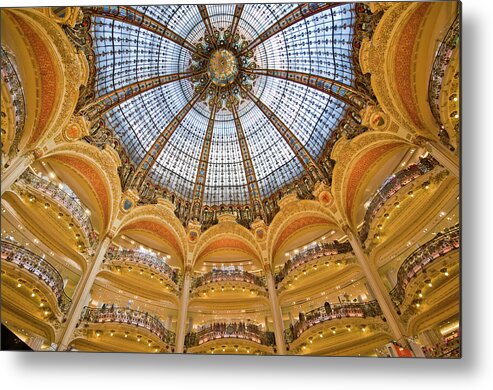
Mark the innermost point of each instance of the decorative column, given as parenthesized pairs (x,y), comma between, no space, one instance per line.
(79,300)
(182,310)
(444,156)
(377,287)
(16,169)
(169,322)
(276,311)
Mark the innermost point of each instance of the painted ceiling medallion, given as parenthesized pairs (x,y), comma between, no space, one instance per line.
(222,67)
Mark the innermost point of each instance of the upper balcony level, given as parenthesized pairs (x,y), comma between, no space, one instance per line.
(113,316)
(311,255)
(329,312)
(64,198)
(239,331)
(443,85)
(116,255)
(391,186)
(39,268)
(12,81)
(221,276)
(416,262)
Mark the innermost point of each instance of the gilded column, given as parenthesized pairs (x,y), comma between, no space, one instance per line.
(276,311)
(377,287)
(183,309)
(16,169)
(79,300)
(444,156)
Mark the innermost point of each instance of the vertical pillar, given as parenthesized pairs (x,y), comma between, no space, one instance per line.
(276,311)
(168,322)
(82,292)
(440,152)
(15,169)
(291,319)
(377,287)
(391,277)
(266,323)
(371,296)
(182,310)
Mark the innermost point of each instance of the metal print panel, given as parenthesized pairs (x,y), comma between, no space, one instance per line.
(258,179)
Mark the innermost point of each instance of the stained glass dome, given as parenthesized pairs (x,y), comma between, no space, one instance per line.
(253,94)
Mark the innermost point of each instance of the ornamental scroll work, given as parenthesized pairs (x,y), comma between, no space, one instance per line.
(224,62)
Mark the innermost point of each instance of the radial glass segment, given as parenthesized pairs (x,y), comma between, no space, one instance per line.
(222,57)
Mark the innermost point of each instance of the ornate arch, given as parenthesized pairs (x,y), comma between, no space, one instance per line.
(294,216)
(399,57)
(50,69)
(95,170)
(159,220)
(353,160)
(224,235)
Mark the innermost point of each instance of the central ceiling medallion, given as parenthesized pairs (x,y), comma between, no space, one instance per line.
(223,67)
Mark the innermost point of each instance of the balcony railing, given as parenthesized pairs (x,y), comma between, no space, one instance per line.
(241,331)
(228,276)
(13,83)
(421,257)
(313,253)
(440,64)
(69,201)
(39,267)
(391,185)
(330,312)
(150,260)
(122,315)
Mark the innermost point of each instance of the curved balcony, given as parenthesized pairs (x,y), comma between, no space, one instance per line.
(218,276)
(122,315)
(69,201)
(439,67)
(391,185)
(421,257)
(312,254)
(39,267)
(330,312)
(152,261)
(240,331)
(13,83)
